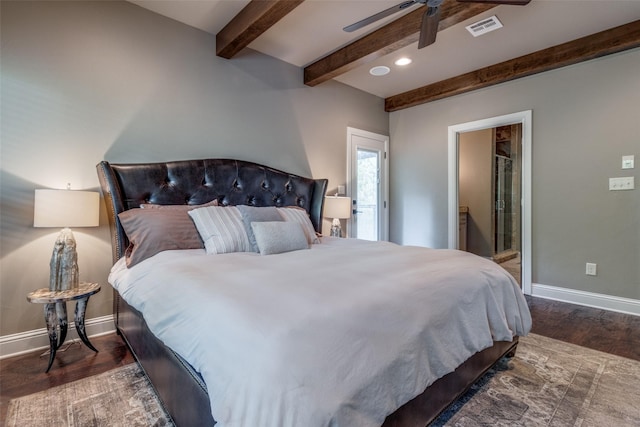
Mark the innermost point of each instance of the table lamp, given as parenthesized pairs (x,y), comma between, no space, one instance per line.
(338,208)
(65,208)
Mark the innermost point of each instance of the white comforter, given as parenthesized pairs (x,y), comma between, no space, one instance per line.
(342,334)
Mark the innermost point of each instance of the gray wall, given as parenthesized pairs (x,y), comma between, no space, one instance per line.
(585,118)
(87,81)
(475,176)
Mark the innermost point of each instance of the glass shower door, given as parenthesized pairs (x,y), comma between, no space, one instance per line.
(503,215)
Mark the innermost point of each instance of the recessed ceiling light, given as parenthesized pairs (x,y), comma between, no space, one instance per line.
(403,61)
(380,70)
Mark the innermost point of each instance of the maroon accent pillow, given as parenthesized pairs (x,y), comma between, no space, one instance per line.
(155,230)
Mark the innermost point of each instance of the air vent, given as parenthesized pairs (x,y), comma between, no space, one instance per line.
(482,27)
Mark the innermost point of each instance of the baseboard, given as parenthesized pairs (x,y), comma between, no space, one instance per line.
(589,299)
(25,342)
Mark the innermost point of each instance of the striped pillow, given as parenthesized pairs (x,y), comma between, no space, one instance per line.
(300,216)
(221,229)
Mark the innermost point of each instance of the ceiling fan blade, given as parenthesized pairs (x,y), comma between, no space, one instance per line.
(513,2)
(429,26)
(379,15)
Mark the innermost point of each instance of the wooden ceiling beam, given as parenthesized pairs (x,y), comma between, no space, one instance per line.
(256,18)
(596,45)
(393,36)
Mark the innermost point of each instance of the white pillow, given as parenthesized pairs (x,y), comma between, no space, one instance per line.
(300,216)
(274,237)
(221,229)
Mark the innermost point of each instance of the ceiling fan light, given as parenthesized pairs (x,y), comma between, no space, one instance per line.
(380,70)
(403,61)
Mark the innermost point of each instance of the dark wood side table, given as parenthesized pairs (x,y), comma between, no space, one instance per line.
(55,313)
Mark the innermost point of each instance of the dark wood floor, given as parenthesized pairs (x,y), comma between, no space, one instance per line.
(598,329)
(602,330)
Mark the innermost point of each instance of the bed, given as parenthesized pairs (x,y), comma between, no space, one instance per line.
(189,364)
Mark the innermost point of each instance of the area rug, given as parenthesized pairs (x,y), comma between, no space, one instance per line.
(552,383)
(547,383)
(122,397)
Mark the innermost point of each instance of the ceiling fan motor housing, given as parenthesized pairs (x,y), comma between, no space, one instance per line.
(430,19)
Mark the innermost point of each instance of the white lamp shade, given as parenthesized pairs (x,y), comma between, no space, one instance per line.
(337,207)
(66,208)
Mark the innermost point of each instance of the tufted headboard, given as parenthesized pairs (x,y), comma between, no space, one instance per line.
(194,182)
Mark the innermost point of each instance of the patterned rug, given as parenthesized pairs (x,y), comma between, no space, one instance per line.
(552,383)
(548,383)
(122,397)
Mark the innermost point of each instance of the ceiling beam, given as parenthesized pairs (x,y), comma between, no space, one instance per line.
(393,36)
(256,18)
(596,45)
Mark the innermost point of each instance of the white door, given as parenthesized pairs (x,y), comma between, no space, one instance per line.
(368,184)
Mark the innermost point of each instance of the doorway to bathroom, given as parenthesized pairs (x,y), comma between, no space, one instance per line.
(490,191)
(489,194)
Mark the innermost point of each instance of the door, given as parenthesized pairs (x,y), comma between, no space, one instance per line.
(504,197)
(368,184)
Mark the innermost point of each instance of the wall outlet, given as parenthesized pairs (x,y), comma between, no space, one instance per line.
(622,183)
(591,269)
(341,189)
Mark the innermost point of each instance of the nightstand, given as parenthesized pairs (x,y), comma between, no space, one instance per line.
(55,313)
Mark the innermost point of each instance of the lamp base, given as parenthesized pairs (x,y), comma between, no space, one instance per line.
(64,263)
(336,228)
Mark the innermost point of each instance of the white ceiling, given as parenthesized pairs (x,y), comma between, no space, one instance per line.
(314,29)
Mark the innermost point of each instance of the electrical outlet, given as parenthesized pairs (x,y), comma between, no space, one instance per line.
(591,269)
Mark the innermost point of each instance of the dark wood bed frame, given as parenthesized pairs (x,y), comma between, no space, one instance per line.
(234,182)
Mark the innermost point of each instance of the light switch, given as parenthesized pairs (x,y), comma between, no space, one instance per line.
(622,183)
(341,189)
(628,162)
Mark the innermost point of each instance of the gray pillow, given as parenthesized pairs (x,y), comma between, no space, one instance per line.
(274,237)
(251,214)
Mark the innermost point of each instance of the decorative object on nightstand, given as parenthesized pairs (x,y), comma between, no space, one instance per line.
(55,313)
(65,208)
(337,208)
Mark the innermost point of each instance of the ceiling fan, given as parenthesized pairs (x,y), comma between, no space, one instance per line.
(430,19)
